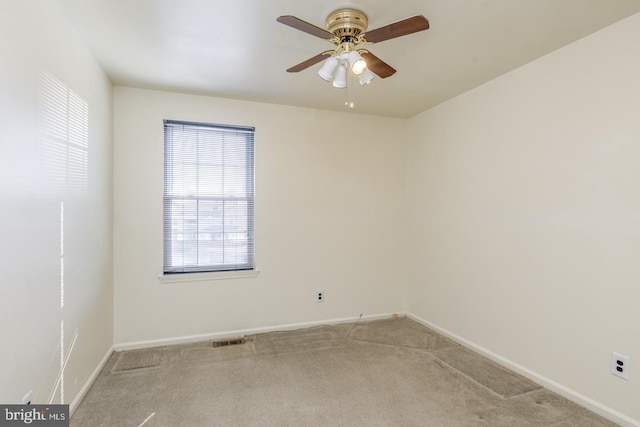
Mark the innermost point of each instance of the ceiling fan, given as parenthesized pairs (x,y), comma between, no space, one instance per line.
(347,30)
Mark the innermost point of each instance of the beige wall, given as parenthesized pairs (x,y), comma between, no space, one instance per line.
(56,306)
(329,203)
(524,209)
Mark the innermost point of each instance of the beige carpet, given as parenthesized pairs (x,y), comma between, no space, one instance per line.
(385,373)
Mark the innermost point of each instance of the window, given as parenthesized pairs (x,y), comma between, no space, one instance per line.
(208,198)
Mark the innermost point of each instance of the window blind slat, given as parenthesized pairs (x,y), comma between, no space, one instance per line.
(208,198)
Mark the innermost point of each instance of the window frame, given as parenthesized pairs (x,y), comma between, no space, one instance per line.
(205,272)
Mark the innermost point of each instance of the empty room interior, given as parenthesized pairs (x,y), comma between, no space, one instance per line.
(476,187)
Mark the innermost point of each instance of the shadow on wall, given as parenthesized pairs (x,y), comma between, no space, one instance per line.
(64,153)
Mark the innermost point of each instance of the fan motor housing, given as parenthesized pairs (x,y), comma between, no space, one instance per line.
(347,23)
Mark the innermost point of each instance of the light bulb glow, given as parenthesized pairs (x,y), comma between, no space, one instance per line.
(356,62)
(359,67)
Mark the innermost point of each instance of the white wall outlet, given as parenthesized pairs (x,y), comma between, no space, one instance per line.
(26,399)
(319,296)
(620,365)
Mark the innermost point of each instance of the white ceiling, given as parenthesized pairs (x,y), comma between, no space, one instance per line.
(236,49)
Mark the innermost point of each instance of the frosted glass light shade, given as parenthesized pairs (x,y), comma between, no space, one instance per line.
(340,79)
(366,77)
(328,68)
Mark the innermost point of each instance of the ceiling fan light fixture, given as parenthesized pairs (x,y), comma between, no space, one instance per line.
(328,68)
(356,62)
(340,79)
(366,77)
(346,30)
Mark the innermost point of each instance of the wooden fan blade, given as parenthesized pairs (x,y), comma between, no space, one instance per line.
(398,29)
(301,25)
(309,62)
(377,65)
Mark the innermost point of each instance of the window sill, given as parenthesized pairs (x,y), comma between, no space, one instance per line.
(205,277)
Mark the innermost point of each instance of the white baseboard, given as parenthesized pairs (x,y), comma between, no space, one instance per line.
(136,345)
(545,382)
(87,385)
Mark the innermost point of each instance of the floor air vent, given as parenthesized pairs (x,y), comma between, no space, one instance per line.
(225,343)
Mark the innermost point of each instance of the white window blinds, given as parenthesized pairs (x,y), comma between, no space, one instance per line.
(208,198)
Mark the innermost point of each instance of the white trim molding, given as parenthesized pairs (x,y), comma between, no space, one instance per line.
(243,332)
(205,277)
(543,381)
(87,385)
